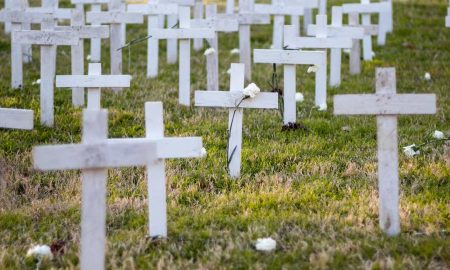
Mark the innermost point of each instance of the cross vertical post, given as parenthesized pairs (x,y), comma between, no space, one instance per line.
(185,59)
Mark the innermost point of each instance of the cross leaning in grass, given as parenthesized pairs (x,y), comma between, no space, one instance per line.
(337,30)
(236,101)
(290,59)
(320,41)
(94,81)
(386,105)
(184,34)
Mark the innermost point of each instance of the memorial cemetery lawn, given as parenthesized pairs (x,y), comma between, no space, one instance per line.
(313,189)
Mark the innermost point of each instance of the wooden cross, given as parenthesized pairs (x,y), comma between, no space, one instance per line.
(153,11)
(77,54)
(320,41)
(226,25)
(168,148)
(279,9)
(290,59)
(115,17)
(337,30)
(94,81)
(308,6)
(16,119)
(184,33)
(94,155)
(236,102)
(48,39)
(198,12)
(386,104)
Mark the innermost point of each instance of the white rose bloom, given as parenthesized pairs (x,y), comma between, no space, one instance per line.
(38,81)
(209,51)
(40,252)
(265,244)
(323,107)
(235,51)
(313,69)
(427,76)
(409,150)
(299,97)
(438,135)
(251,90)
(203,152)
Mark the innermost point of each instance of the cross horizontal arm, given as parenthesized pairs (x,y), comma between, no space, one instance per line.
(319,43)
(58,13)
(366,8)
(17,16)
(279,10)
(94,156)
(87,32)
(16,118)
(231,99)
(219,25)
(93,81)
(289,57)
(92,2)
(187,33)
(353,32)
(114,17)
(36,37)
(182,2)
(305,3)
(246,19)
(385,104)
(154,9)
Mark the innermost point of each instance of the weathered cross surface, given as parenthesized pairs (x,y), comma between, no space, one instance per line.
(167,148)
(184,34)
(77,53)
(115,17)
(48,39)
(94,81)
(386,105)
(279,9)
(336,29)
(320,41)
(16,118)
(290,59)
(153,11)
(236,102)
(94,155)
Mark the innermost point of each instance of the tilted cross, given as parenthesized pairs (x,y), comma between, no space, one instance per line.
(94,81)
(236,102)
(386,104)
(279,9)
(337,30)
(290,59)
(320,41)
(16,119)
(184,34)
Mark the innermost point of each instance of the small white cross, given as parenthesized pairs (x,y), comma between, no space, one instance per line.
(386,104)
(236,102)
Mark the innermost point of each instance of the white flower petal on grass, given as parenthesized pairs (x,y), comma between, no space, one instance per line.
(313,69)
(209,51)
(410,150)
(427,76)
(323,107)
(438,135)
(229,71)
(299,97)
(251,90)
(40,251)
(88,57)
(265,244)
(203,153)
(38,81)
(235,51)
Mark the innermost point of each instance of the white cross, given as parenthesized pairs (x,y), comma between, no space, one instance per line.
(94,81)
(198,12)
(115,17)
(279,9)
(153,11)
(94,155)
(366,9)
(386,105)
(16,118)
(185,33)
(231,99)
(48,39)
(290,59)
(308,6)
(77,53)
(320,41)
(218,25)
(447,18)
(337,30)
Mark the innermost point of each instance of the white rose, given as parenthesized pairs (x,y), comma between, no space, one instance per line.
(299,97)
(438,135)
(251,90)
(312,69)
(203,152)
(40,252)
(409,150)
(209,51)
(235,51)
(38,81)
(265,244)
(427,76)
(323,107)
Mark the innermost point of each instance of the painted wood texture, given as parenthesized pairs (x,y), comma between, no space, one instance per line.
(16,119)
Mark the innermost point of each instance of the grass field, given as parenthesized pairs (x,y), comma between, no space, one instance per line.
(314,191)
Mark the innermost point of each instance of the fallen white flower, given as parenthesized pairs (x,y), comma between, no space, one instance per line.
(438,135)
(299,97)
(235,51)
(38,81)
(209,51)
(373,54)
(272,47)
(88,57)
(313,69)
(203,152)
(323,107)
(427,76)
(409,150)
(229,71)
(265,244)
(40,251)
(251,90)
(347,51)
